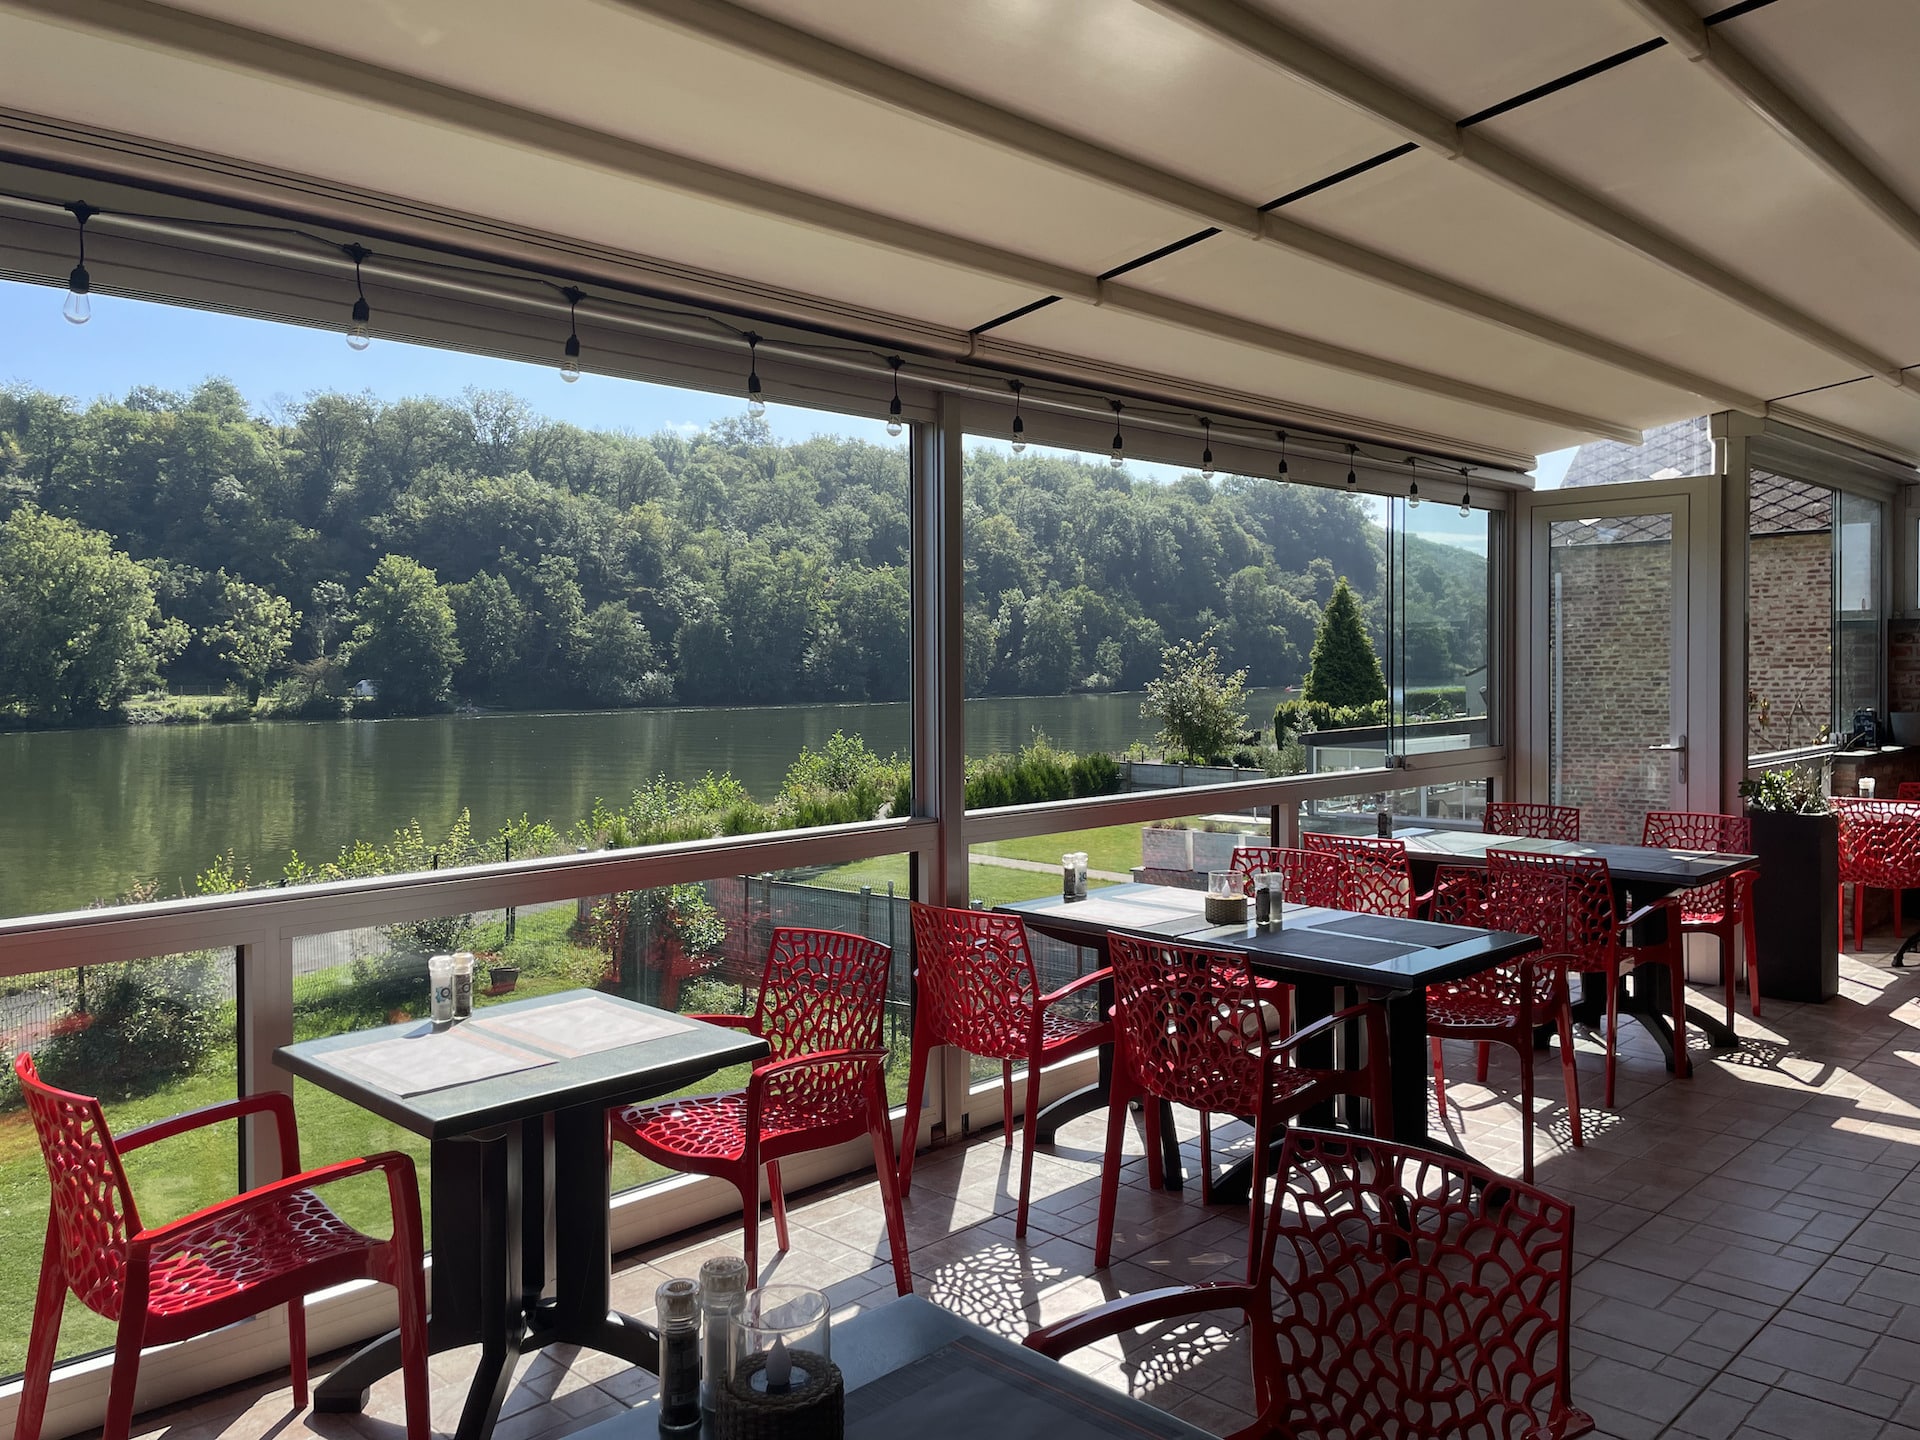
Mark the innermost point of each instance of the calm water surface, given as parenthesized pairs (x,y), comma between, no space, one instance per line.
(92,812)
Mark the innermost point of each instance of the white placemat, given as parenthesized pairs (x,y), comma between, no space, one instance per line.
(434,1060)
(579,1027)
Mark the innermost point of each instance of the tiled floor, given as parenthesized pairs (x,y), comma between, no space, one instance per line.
(1749,1247)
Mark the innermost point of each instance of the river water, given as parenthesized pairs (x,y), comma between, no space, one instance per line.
(92,812)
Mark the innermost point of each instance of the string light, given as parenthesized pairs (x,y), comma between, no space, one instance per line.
(1019,425)
(1413,485)
(1283,456)
(1119,441)
(358,336)
(1206,453)
(756,406)
(79,305)
(1351,481)
(894,426)
(1466,496)
(570,366)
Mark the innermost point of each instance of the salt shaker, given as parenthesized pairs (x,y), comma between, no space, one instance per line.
(678,1304)
(723,1295)
(1079,874)
(463,961)
(440,988)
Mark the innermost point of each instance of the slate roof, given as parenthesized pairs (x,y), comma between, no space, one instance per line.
(1780,506)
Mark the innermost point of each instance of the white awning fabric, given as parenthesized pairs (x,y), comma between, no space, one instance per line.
(1482,229)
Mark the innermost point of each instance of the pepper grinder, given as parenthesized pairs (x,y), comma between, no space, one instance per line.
(678,1304)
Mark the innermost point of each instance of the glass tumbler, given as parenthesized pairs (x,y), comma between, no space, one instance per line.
(791,1316)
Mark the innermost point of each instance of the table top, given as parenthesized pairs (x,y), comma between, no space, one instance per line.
(965,1373)
(1642,865)
(1340,945)
(690,1051)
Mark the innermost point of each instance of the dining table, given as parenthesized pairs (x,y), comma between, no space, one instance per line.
(513,1104)
(1640,873)
(1319,951)
(911,1367)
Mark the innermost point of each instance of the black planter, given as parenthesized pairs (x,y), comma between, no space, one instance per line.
(1797,905)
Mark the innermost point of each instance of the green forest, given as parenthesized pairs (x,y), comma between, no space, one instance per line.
(468,551)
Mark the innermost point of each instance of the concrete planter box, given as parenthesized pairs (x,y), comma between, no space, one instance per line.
(1195,850)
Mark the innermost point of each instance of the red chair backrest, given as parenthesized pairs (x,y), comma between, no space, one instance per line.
(1879,843)
(1700,830)
(1523,819)
(1377,878)
(93,1209)
(1188,1022)
(1459,895)
(822,990)
(1460,898)
(1413,1295)
(1567,900)
(977,986)
(1307,877)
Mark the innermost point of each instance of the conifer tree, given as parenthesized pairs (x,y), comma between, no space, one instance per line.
(1344,670)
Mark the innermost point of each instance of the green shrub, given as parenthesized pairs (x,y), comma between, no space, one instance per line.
(1297,717)
(147,1022)
(1038,773)
(1437,702)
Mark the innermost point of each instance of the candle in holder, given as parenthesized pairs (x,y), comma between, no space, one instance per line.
(785,1384)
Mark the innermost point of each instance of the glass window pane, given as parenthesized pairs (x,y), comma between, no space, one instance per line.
(1443,688)
(537,593)
(1791,613)
(1857,611)
(151,1039)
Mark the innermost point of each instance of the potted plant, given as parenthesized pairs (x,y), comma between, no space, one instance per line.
(1796,904)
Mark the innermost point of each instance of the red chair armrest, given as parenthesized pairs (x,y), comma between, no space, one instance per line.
(1321,1027)
(731,1022)
(872,1060)
(1085,982)
(402,1181)
(1668,903)
(274,1102)
(1063,1337)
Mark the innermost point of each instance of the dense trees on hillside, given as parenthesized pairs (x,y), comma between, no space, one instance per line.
(469,550)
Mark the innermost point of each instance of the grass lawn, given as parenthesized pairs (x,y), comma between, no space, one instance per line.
(1112,847)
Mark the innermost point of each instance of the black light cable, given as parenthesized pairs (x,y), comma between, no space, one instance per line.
(1119,453)
(1019,425)
(1206,452)
(1413,485)
(79,304)
(570,364)
(1351,480)
(894,424)
(1282,472)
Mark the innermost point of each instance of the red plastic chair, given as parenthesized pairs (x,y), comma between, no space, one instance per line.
(1378,879)
(1501,1005)
(1521,820)
(1879,850)
(1909,791)
(1307,877)
(1400,1293)
(1567,900)
(821,1009)
(1725,905)
(273,1245)
(1190,1028)
(978,991)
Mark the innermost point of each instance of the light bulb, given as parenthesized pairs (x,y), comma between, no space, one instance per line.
(1466,507)
(570,366)
(1206,466)
(78,309)
(1019,434)
(1413,497)
(756,407)
(894,427)
(358,338)
(1114,460)
(358,335)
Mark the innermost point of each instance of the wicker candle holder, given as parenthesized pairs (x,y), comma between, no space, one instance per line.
(813,1407)
(1226,909)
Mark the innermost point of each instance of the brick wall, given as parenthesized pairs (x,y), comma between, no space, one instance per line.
(1611,625)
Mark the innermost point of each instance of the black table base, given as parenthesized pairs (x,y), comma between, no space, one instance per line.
(492,1192)
(1091,1098)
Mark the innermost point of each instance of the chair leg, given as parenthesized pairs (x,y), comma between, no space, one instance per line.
(1118,1104)
(1729,962)
(1677,988)
(1006,1104)
(748,1181)
(1257,1198)
(1027,1140)
(1859,917)
(1525,1052)
(1613,1029)
(410,1284)
(126,1370)
(880,1123)
(1899,923)
(49,1302)
(916,1092)
(297,1349)
(1439,1049)
(1153,1114)
(1570,1069)
(1840,911)
(1753,959)
(1480,1063)
(1206,1158)
(779,1205)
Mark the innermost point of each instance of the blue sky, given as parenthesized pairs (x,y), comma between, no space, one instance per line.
(132,342)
